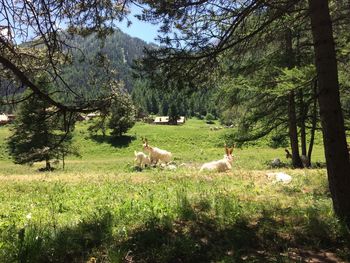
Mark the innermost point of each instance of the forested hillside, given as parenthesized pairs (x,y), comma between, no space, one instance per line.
(119,49)
(94,59)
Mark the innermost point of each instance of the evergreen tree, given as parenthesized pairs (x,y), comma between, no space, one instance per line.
(173,113)
(39,133)
(122,115)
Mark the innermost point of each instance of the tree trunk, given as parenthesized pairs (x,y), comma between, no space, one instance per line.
(292,119)
(293,132)
(303,113)
(334,139)
(313,122)
(63,160)
(48,165)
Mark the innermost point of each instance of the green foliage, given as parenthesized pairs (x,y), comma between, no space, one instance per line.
(122,115)
(209,117)
(119,49)
(173,113)
(297,77)
(40,132)
(153,98)
(279,140)
(98,208)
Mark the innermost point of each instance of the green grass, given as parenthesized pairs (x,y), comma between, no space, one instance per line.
(100,209)
(193,143)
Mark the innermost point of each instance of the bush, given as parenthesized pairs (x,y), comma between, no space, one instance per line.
(209,118)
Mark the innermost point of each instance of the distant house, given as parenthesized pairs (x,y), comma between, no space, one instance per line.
(161,120)
(6,118)
(11,117)
(92,115)
(3,119)
(182,120)
(89,116)
(81,117)
(164,120)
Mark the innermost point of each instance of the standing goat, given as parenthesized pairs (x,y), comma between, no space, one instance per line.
(222,165)
(157,154)
(141,159)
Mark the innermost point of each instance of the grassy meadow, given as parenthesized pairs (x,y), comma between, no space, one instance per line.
(101,209)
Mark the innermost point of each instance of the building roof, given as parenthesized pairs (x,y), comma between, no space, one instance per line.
(165,120)
(161,119)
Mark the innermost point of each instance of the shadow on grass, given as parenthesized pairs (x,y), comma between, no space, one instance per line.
(196,237)
(71,244)
(198,234)
(117,142)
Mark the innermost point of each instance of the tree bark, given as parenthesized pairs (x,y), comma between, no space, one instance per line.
(293,132)
(63,161)
(292,119)
(48,165)
(313,122)
(303,113)
(332,121)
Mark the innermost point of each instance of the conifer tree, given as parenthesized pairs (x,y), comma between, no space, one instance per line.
(39,133)
(173,113)
(122,115)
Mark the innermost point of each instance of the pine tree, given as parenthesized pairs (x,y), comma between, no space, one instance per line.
(122,115)
(39,133)
(173,113)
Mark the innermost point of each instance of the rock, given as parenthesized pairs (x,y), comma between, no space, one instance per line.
(279,177)
(171,167)
(276,163)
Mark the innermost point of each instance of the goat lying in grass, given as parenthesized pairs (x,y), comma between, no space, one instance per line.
(142,159)
(222,165)
(157,154)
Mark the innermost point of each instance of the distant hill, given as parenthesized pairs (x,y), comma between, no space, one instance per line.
(120,48)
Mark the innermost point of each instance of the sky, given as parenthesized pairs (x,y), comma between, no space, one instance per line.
(140,29)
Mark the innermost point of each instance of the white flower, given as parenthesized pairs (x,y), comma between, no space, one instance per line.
(29,216)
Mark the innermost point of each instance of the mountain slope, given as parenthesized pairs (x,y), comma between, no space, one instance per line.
(119,48)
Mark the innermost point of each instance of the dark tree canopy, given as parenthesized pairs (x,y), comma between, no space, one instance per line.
(197,34)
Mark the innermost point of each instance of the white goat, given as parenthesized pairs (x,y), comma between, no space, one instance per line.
(157,154)
(142,159)
(220,165)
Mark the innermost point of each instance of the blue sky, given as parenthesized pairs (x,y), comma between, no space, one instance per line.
(143,30)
